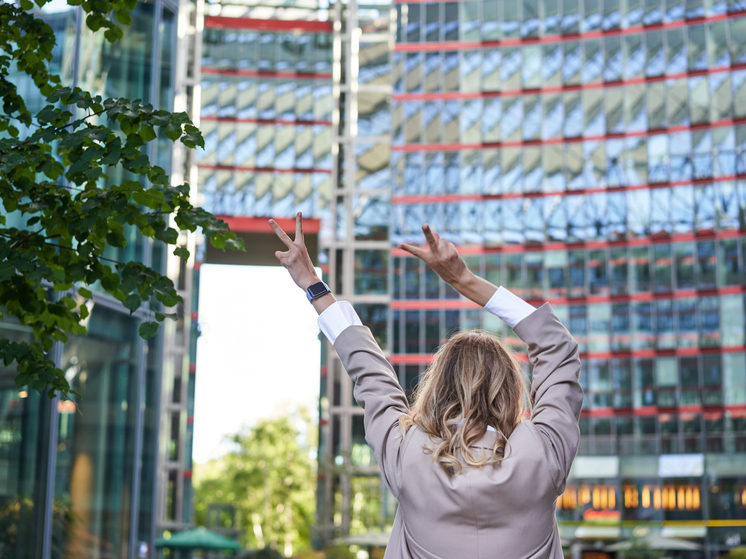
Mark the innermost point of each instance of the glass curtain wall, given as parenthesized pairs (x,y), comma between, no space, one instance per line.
(77,476)
(590,154)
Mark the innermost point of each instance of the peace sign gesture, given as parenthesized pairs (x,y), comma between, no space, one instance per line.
(296,259)
(442,257)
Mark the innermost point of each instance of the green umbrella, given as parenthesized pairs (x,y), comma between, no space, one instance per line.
(199,538)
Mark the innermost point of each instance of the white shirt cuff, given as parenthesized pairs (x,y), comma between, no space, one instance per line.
(337,318)
(508,306)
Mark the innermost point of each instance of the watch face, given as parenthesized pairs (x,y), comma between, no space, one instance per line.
(317,289)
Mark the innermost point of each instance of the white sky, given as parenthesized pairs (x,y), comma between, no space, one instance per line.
(258,354)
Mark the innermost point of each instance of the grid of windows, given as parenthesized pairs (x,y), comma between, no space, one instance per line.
(589,154)
(266,118)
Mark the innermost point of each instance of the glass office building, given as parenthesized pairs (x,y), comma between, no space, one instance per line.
(588,153)
(266,114)
(78,478)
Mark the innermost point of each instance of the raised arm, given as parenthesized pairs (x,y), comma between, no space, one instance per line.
(556,394)
(376,389)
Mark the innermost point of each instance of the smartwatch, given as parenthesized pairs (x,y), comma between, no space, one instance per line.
(317,290)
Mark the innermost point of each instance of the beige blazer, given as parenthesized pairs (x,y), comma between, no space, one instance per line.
(503,511)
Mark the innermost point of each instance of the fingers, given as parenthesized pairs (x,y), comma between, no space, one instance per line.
(299,228)
(280,233)
(431,240)
(413,250)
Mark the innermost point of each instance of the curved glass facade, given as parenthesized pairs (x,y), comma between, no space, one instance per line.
(590,154)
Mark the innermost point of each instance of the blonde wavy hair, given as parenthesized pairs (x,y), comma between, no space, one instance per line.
(473,382)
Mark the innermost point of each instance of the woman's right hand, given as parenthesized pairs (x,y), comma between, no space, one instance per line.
(445,261)
(442,257)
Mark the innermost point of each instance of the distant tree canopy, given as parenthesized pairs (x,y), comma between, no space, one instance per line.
(75,183)
(270,479)
(640,549)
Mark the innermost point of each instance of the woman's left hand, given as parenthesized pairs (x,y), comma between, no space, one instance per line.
(296,259)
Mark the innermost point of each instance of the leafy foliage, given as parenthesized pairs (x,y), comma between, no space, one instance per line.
(640,549)
(737,553)
(269,479)
(77,177)
(16,510)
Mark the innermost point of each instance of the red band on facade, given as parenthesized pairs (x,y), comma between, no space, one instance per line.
(715,411)
(589,245)
(261,169)
(455,198)
(260,224)
(409,148)
(456,304)
(267,75)
(632,30)
(266,121)
(467,95)
(280,25)
(426,358)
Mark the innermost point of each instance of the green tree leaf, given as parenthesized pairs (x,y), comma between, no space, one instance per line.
(148,329)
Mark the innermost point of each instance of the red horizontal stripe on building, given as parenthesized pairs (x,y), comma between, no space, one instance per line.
(456,95)
(453,198)
(426,358)
(589,245)
(241,224)
(266,121)
(716,411)
(632,30)
(267,74)
(279,25)
(261,169)
(456,304)
(572,140)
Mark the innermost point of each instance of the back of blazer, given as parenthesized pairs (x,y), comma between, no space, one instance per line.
(504,510)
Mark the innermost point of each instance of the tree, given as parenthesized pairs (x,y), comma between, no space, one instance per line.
(77,177)
(639,548)
(737,553)
(270,479)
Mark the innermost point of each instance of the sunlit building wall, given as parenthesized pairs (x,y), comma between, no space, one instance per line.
(350,498)
(591,154)
(79,478)
(266,111)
